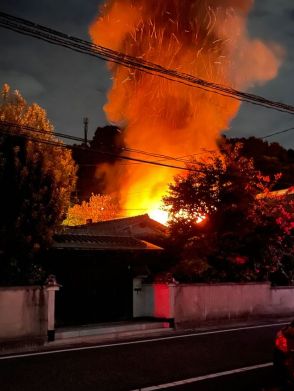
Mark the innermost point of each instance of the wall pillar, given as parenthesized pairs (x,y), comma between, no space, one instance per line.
(138,296)
(51,287)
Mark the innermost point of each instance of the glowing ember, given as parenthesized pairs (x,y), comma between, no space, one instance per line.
(200,219)
(207,39)
(193,217)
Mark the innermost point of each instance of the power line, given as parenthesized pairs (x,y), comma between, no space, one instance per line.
(274,133)
(7,125)
(6,132)
(29,28)
(278,132)
(164,157)
(4,129)
(181,158)
(40,131)
(79,139)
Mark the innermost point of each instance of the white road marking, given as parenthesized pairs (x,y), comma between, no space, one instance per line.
(205,377)
(110,345)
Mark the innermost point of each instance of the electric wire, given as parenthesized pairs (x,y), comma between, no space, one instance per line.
(5,125)
(45,132)
(6,132)
(79,139)
(55,37)
(277,132)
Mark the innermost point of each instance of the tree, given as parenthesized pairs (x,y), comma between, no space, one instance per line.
(104,148)
(36,181)
(108,139)
(99,208)
(269,158)
(224,230)
(273,218)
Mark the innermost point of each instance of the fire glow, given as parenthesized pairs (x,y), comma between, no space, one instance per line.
(207,39)
(159,215)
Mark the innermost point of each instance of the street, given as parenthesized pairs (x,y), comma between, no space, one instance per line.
(205,361)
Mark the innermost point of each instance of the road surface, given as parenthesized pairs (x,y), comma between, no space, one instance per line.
(232,359)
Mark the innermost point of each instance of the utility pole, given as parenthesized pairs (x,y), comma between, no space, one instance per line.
(86,121)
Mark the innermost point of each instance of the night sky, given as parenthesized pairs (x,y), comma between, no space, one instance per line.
(71,86)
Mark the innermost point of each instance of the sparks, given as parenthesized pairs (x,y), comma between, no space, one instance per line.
(162,116)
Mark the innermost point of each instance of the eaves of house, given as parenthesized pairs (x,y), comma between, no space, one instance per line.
(79,241)
(141,227)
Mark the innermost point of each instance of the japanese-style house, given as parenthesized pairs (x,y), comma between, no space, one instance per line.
(96,264)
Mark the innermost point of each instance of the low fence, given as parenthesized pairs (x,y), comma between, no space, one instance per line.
(191,304)
(27,313)
(23,312)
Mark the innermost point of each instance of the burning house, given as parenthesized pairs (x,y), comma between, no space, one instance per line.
(97,263)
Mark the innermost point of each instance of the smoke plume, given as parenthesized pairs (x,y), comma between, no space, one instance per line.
(205,38)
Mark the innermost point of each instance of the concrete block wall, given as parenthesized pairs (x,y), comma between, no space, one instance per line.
(23,312)
(282,299)
(190,304)
(197,303)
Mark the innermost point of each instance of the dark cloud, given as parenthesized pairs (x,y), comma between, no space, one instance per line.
(271,22)
(290,13)
(27,84)
(260,13)
(67,84)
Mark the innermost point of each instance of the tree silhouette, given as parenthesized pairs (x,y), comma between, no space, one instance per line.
(269,159)
(105,146)
(36,181)
(224,229)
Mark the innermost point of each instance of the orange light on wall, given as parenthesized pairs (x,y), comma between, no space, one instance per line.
(162,305)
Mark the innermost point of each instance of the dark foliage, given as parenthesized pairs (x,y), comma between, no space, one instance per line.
(269,159)
(105,146)
(243,237)
(36,183)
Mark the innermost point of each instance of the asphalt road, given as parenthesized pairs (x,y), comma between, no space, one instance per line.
(141,365)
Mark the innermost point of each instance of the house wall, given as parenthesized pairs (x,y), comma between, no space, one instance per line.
(190,304)
(23,312)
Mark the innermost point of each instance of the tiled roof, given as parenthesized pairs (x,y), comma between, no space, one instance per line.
(94,242)
(128,226)
(126,221)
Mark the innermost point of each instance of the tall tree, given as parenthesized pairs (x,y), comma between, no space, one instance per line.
(36,181)
(225,230)
(105,147)
(269,158)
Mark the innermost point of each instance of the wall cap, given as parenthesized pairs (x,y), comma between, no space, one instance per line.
(160,283)
(224,284)
(21,287)
(282,287)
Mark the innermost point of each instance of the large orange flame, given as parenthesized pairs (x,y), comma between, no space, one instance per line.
(205,38)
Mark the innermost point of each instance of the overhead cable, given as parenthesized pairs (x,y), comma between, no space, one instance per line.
(278,132)
(82,140)
(5,131)
(55,37)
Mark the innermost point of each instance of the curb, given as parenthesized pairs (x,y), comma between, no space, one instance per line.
(40,345)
